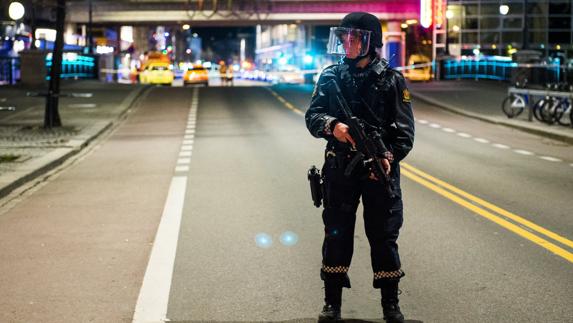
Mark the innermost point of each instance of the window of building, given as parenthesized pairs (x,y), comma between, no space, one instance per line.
(487,38)
(512,38)
(470,23)
(471,9)
(537,8)
(537,22)
(489,23)
(470,38)
(537,37)
(559,37)
(512,22)
(559,8)
(489,9)
(563,22)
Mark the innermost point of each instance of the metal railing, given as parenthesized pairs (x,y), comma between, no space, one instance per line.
(534,95)
(505,71)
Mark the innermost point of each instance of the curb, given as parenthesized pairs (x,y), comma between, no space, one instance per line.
(568,138)
(29,171)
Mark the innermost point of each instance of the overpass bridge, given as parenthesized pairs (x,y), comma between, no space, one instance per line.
(236,12)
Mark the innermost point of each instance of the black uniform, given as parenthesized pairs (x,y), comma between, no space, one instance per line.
(378,95)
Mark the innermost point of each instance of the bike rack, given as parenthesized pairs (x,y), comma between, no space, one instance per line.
(541,93)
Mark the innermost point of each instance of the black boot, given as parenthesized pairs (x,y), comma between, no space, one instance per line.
(390,308)
(333,299)
(329,314)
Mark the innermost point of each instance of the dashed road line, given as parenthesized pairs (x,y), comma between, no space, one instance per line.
(464,135)
(182,168)
(551,159)
(423,121)
(482,140)
(435,125)
(501,146)
(450,130)
(523,152)
(153,298)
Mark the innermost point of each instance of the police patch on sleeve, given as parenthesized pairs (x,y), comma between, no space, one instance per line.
(406,96)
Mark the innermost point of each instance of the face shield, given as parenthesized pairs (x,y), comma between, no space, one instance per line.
(349,42)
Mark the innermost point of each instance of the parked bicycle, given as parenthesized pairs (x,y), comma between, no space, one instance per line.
(514,104)
(553,109)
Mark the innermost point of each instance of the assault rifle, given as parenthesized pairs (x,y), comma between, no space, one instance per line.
(369,143)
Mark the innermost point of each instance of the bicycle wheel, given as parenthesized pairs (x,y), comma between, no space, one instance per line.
(537,109)
(561,112)
(513,105)
(547,111)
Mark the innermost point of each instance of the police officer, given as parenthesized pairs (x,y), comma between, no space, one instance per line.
(377,94)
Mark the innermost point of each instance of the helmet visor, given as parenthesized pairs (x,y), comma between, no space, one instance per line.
(349,42)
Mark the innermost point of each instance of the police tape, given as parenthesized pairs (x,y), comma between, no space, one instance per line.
(115,71)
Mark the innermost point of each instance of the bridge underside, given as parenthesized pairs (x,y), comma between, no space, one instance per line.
(234,13)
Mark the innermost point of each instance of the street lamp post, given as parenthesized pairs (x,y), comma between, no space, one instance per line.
(52,115)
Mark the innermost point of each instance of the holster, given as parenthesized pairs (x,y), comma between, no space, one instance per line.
(315,181)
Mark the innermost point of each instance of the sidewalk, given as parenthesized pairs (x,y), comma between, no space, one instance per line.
(27,150)
(482,100)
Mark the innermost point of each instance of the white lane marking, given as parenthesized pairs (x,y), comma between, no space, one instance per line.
(464,135)
(183,161)
(154,294)
(551,159)
(450,130)
(186,147)
(501,146)
(571,164)
(189,137)
(423,121)
(189,131)
(188,142)
(185,154)
(435,125)
(523,152)
(191,125)
(182,168)
(82,105)
(481,140)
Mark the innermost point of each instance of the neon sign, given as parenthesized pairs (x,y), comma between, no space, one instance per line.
(426,14)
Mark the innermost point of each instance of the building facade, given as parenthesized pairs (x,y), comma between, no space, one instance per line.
(499,27)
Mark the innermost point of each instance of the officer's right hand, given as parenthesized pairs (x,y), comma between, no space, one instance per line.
(342,134)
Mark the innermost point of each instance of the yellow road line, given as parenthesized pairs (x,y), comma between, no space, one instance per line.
(490,216)
(287,104)
(490,206)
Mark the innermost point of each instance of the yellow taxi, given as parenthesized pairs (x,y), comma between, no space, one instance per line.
(422,70)
(156,73)
(196,75)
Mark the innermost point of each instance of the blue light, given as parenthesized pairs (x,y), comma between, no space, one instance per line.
(263,240)
(283,61)
(289,238)
(308,59)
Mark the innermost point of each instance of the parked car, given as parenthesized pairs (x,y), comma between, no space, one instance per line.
(196,75)
(419,73)
(157,73)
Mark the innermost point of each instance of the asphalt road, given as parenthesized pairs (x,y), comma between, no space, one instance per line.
(486,236)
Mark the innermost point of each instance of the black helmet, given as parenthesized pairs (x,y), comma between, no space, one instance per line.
(365,21)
